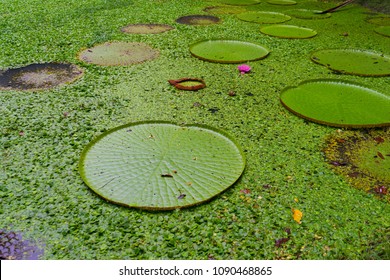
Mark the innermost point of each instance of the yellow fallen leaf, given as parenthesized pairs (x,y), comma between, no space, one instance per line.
(297,215)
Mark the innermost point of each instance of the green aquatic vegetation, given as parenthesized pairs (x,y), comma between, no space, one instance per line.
(150,28)
(383,30)
(42,135)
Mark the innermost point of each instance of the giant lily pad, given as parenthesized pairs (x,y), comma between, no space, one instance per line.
(355,62)
(39,76)
(263,17)
(282,2)
(383,30)
(240,2)
(379,20)
(161,166)
(221,10)
(198,20)
(228,51)
(288,31)
(118,54)
(307,14)
(148,28)
(338,103)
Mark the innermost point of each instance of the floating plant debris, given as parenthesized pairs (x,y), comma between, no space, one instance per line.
(338,103)
(118,54)
(198,20)
(264,17)
(221,10)
(282,2)
(364,168)
(307,14)
(383,30)
(188,83)
(39,76)
(228,51)
(130,169)
(149,28)
(354,62)
(240,2)
(288,31)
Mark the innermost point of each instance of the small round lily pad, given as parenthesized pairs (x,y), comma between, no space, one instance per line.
(198,20)
(222,10)
(240,2)
(149,28)
(118,54)
(288,31)
(228,51)
(161,166)
(338,103)
(307,14)
(282,2)
(39,76)
(188,83)
(383,30)
(354,62)
(264,17)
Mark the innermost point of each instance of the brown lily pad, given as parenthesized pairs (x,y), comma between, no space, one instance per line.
(192,84)
(118,54)
(149,28)
(198,20)
(363,158)
(39,76)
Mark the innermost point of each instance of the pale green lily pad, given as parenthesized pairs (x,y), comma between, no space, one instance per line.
(282,2)
(288,31)
(228,51)
(354,62)
(338,103)
(383,30)
(240,2)
(118,54)
(161,166)
(307,14)
(264,17)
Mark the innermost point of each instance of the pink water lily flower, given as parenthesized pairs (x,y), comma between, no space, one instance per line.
(244,68)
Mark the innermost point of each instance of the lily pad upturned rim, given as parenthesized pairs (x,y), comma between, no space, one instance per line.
(192,20)
(383,30)
(77,73)
(128,127)
(236,61)
(177,83)
(240,2)
(155,28)
(333,124)
(310,32)
(307,14)
(343,71)
(281,17)
(282,2)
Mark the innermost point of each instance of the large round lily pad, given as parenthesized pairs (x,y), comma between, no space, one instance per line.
(338,103)
(147,28)
(307,14)
(198,20)
(383,30)
(118,54)
(282,2)
(240,2)
(39,76)
(379,20)
(288,31)
(228,51)
(161,166)
(354,62)
(264,17)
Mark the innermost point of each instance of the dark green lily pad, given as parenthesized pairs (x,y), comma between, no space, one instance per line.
(198,20)
(282,2)
(338,103)
(383,30)
(148,28)
(240,2)
(379,20)
(39,76)
(354,62)
(288,31)
(222,10)
(188,83)
(161,166)
(307,14)
(264,17)
(118,54)
(228,51)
